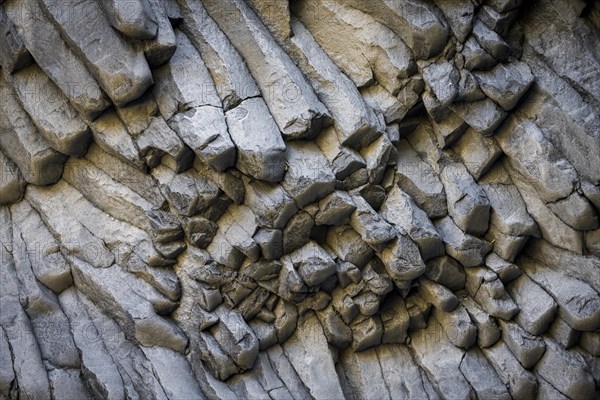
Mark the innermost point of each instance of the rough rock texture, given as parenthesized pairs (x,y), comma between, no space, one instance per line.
(327,199)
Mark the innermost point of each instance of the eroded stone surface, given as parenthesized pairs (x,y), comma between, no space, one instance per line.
(329,199)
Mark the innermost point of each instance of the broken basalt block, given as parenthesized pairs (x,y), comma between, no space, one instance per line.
(295,107)
(349,214)
(261,152)
(123,73)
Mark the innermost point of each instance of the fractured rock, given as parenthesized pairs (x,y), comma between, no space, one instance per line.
(12,185)
(505,83)
(419,180)
(309,177)
(123,73)
(468,205)
(261,150)
(466,249)
(293,104)
(134,19)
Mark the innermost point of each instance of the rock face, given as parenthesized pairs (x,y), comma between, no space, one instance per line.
(299,199)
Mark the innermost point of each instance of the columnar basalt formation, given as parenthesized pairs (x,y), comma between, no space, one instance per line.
(299,199)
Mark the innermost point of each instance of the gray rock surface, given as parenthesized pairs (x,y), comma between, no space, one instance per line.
(124,74)
(309,199)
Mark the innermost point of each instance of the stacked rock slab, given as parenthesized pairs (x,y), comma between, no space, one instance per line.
(299,199)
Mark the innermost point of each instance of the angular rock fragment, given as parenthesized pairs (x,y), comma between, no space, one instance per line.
(270,242)
(261,150)
(468,88)
(459,15)
(528,349)
(450,129)
(204,130)
(577,300)
(337,332)
(537,159)
(111,135)
(487,290)
(565,371)
(375,231)
(31,152)
(344,161)
(468,205)
(312,263)
(297,232)
(236,338)
(271,204)
(484,116)
(439,296)
(187,193)
(366,332)
(308,177)
(468,250)
(378,155)
(402,259)
(478,153)
(159,144)
(387,105)
(506,271)
(505,83)
(134,19)
(295,107)
(161,48)
(446,271)
(123,73)
(536,307)
(225,64)
(475,56)
(335,209)
(348,245)
(395,320)
(356,123)
(563,334)
(488,331)
(417,22)
(457,326)
(490,41)
(418,179)
(442,79)
(61,65)
(239,225)
(185,82)
(509,212)
(575,211)
(551,227)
